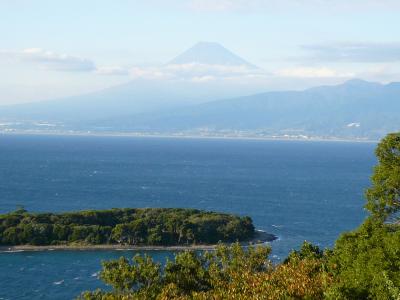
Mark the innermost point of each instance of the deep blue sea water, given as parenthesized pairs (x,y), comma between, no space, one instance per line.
(296,190)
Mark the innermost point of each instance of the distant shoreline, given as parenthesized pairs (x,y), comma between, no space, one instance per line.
(185,136)
(260,238)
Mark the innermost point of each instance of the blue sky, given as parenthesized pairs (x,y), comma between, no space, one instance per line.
(51,49)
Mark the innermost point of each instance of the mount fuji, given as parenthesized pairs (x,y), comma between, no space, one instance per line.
(142,95)
(210,54)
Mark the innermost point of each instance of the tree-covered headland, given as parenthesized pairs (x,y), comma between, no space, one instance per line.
(363,264)
(149,226)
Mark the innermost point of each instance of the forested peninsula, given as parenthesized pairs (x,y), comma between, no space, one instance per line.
(124,227)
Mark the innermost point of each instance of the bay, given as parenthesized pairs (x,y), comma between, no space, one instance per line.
(297,190)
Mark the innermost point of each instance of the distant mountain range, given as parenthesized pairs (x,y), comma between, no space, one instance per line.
(355,109)
(138,96)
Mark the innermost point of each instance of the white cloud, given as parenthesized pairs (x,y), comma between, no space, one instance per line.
(112,71)
(354,52)
(200,68)
(382,72)
(54,61)
(270,5)
(306,72)
(209,5)
(149,73)
(191,71)
(203,78)
(195,72)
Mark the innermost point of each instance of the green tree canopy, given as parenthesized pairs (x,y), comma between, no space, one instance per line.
(147,226)
(383,197)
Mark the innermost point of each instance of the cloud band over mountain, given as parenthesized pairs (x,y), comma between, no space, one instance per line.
(51,60)
(354,52)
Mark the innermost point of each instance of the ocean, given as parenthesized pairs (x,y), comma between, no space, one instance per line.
(297,190)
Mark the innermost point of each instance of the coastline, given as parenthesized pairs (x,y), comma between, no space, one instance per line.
(184,136)
(260,238)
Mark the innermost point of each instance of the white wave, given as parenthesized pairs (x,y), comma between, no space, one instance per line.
(58,282)
(12,251)
(277,226)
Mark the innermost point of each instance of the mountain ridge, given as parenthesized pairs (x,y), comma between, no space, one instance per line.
(362,110)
